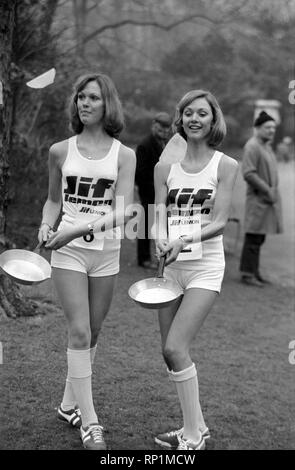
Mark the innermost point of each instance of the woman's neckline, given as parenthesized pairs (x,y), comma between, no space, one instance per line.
(90,159)
(198,172)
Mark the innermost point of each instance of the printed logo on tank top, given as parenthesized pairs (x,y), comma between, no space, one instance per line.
(180,198)
(88,192)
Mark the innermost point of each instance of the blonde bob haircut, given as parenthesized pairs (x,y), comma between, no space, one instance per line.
(113,118)
(218,126)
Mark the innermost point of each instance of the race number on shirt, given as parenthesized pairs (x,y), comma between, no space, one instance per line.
(86,241)
(186,223)
(98,237)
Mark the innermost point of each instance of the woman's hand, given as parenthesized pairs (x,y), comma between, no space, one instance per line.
(173,249)
(160,247)
(61,238)
(44,232)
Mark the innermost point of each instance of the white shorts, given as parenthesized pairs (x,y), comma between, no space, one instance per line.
(94,263)
(202,277)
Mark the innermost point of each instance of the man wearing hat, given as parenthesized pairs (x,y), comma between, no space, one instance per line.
(147,154)
(263,212)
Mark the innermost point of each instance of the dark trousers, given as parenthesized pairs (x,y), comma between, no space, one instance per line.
(144,244)
(249,263)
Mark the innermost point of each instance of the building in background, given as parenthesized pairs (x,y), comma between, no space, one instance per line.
(271,107)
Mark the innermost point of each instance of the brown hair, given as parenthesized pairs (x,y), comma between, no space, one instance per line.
(218,129)
(113,119)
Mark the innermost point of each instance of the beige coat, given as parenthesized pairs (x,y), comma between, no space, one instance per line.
(259,169)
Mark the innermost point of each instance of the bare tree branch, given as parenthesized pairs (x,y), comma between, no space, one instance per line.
(139,2)
(96,5)
(61,4)
(34,118)
(33,51)
(237,8)
(48,15)
(91,8)
(156,24)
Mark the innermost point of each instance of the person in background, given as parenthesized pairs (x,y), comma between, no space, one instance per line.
(263,212)
(285,150)
(147,155)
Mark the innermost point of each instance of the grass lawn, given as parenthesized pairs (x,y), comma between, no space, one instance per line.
(246,381)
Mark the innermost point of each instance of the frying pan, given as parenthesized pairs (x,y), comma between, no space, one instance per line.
(155,292)
(25,267)
(42,80)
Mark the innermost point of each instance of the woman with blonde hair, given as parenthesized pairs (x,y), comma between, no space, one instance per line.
(196,193)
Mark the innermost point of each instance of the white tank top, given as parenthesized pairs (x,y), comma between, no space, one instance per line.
(88,191)
(188,189)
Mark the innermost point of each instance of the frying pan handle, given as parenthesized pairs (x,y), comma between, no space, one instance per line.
(161,266)
(38,247)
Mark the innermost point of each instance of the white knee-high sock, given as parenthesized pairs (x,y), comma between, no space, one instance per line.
(79,370)
(69,400)
(187,387)
(92,353)
(201,421)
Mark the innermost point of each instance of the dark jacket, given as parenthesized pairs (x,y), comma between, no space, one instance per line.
(260,172)
(147,156)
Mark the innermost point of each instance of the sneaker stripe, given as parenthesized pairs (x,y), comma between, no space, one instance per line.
(92,437)
(163,443)
(206,434)
(71,416)
(188,444)
(75,420)
(170,440)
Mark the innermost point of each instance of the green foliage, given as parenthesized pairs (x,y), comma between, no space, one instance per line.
(240,61)
(36,112)
(198,61)
(143,95)
(238,69)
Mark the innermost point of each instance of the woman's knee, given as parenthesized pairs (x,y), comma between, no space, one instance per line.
(79,336)
(174,354)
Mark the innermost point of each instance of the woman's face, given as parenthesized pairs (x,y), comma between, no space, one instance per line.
(90,104)
(197,118)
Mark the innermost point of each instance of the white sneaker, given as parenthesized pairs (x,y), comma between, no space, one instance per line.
(92,437)
(73,416)
(205,434)
(188,444)
(170,440)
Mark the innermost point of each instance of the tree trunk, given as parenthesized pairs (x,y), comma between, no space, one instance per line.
(80,14)
(48,16)
(7,18)
(12,301)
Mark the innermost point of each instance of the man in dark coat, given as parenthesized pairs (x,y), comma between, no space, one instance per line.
(147,154)
(263,213)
